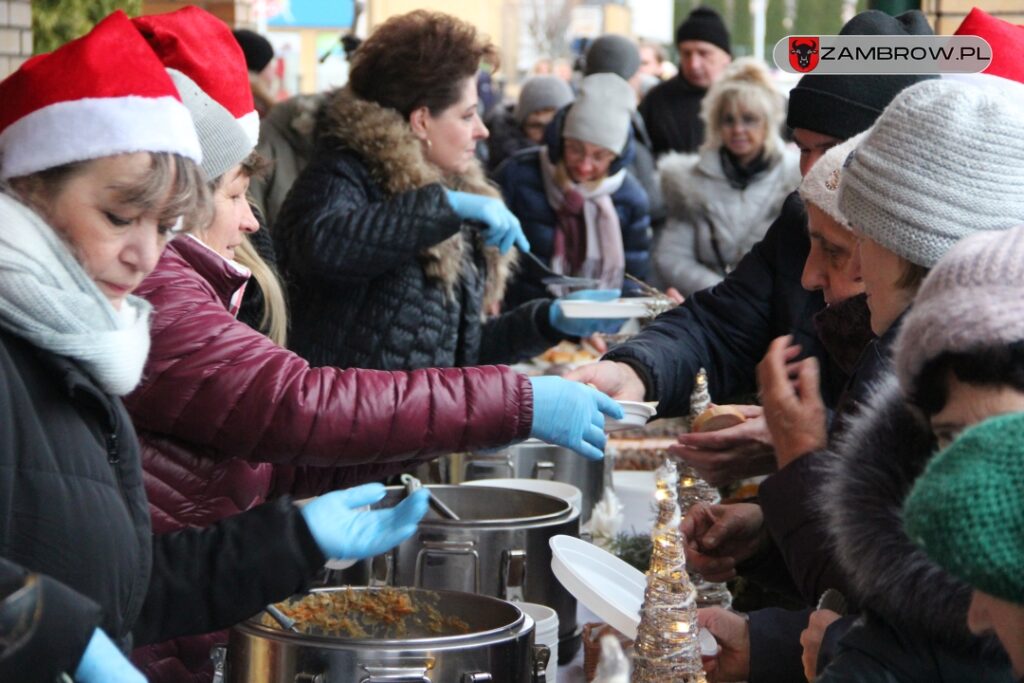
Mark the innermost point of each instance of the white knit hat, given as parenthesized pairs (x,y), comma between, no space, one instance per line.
(602,113)
(821,184)
(103,94)
(943,161)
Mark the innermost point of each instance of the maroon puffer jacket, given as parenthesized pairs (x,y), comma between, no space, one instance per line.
(227,418)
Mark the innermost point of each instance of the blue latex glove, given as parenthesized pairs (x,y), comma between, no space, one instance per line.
(342,532)
(584,327)
(571,414)
(502,227)
(103,662)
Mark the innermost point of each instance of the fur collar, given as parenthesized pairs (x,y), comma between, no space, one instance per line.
(868,475)
(394,157)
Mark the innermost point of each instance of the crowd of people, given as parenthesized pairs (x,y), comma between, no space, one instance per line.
(213,305)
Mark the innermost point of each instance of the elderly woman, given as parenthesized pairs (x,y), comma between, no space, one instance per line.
(225,415)
(967,509)
(721,201)
(583,212)
(395,246)
(89,201)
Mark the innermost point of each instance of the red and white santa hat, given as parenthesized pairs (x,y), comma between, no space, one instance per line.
(202,47)
(103,94)
(1005,39)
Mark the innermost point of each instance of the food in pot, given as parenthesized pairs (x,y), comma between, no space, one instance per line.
(384,613)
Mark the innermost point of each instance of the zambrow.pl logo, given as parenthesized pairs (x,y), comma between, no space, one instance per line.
(803,53)
(850,55)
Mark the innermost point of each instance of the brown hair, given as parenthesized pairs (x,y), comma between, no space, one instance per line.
(419,59)
(174,183)
(912,276)
(253,166)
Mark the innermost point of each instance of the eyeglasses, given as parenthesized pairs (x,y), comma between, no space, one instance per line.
(579,153)
(742,121)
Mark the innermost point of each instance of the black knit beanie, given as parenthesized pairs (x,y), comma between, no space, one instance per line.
(842,106)
(257,49)
(705,24)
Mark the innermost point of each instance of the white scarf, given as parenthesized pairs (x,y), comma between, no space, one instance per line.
(48,299)
(605,256)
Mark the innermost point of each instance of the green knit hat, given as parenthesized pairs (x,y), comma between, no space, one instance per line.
(967,509)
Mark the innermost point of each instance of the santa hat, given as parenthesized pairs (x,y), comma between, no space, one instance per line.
(103,94)
(202,47)
(1005,39)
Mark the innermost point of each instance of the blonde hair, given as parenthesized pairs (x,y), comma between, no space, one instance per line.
(745,84)
(274,322)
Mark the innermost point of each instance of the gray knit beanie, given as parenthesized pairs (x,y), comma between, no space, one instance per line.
(223,140)
(602,113)
(613,54)
(973,299)
(943,161)
(541,92)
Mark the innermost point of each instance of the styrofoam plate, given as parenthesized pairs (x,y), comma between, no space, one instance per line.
(637,413)
(607,586)
(616,309)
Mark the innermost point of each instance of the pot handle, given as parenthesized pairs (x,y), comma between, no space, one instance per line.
(467,548)
(541,657)
(513,575)
(483,468)
(544,470)
(393,674)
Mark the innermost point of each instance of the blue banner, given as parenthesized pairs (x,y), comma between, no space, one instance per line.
(314,14)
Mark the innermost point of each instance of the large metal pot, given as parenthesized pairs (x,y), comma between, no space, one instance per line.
(499,547)
(532,459)
(498,648)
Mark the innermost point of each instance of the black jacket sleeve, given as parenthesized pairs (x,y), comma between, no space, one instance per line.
(518,334)
(798,529)
(211,578)
(333,226)
(775,650)
(54,639)
(726,329)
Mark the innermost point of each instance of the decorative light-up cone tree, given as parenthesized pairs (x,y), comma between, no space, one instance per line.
(693,489)
(667,646)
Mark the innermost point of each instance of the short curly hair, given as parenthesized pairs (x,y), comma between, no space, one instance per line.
(418,59)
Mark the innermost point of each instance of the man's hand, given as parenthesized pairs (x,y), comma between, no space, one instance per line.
(719,537)
(618,380)
(791,396)
(732,632)
(731,454)
(811,638)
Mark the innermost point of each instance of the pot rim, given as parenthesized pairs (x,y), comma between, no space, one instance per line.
(522,623)
(560,516)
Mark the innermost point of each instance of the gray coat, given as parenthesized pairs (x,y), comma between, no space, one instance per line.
(711,225)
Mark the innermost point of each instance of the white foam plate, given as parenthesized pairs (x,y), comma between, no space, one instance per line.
(617,309)
(607,586)
(637,413)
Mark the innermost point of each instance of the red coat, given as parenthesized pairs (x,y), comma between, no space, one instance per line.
(227,418)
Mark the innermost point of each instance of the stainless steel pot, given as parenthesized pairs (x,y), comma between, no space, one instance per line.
(532,459)
(498,648)
(499,547)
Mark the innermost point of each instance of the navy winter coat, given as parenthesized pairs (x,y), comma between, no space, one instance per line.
(523,187)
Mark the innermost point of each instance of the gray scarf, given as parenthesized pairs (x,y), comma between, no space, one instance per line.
(48,299)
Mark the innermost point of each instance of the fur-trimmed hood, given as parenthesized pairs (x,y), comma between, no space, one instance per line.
(869,474)
(395,159)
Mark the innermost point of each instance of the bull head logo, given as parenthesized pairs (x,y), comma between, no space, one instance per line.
(803,53)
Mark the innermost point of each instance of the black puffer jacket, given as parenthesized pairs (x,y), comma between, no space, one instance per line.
(727,328)
(915,615)
(74,512)
(381,272)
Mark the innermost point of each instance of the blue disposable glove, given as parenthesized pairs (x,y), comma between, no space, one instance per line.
(571,414)
(584,327)
(343,532)
(103,662)
(502,227)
